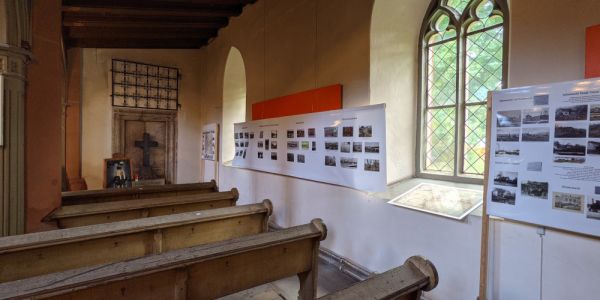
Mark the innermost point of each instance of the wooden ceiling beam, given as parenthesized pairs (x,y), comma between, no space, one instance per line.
(83,11)
(160,4)
(137,44)
(143,24)
(139,33)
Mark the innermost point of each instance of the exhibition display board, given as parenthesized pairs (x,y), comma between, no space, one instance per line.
(544,163)
(344,147)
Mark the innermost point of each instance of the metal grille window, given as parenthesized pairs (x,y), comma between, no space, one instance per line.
(141,85)
(463,56)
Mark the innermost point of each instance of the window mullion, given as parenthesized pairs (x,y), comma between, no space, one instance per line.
(460,103)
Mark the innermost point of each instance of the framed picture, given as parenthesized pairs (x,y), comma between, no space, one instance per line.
(210,133)
(117,173)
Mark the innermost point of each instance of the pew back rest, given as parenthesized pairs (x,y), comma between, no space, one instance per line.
(202,272)
(119,194)
(97,213)
(35,254)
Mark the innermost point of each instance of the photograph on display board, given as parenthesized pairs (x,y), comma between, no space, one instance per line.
(330,161)
(348,163)
(571,113)
(593,147)
(509,118)
(261,135)
(365,131)
(292,145)
(261,144)
(290,157)
(260,155)
(348,131)
(314,146)
(301,158)
(251,135)
(504,196)
(330,132)
(570,130)
(267,144)
(372,165)
(273,134)
(300,133)
(595,112)
(538,115)
(536,134)
(541,100)
(346,147)
(273,155)
(290,134)
(357,147)
(506,178)
(246,135)
(311,133)
(371,147)
(535,166)
(569,160)
(507,150)
(508,134)
(568,202)
(595,130)
(570,147)
(593,207)
(244,155)
(305,145)
(535,189)
(273,145)
(332,146)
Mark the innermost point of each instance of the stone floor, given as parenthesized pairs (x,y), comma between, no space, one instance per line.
(330,280)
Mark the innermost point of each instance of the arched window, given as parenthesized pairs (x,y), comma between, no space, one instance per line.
(463,56)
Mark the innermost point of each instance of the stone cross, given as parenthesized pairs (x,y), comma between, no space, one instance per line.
(146,143)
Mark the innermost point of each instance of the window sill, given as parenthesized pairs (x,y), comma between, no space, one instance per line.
(395,190)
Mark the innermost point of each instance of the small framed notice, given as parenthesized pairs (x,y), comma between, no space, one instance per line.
(545,155)
(210,133)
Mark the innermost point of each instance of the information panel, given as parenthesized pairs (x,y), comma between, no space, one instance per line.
(545,155)
(344,147)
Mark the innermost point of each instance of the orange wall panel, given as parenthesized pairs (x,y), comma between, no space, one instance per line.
(317,100)
(592,52)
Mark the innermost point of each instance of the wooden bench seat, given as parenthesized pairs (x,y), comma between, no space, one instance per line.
(201,272)
(406,282)
(107,195)
(34,254)
(98,213)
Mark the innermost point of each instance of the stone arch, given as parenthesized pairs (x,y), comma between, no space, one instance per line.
(234,101)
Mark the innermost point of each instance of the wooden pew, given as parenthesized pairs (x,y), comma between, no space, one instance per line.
(202,272)
(34,254)
(406,282)
(143,192)
(97,213)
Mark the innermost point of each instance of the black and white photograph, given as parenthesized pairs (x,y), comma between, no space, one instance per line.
(508,134)
(346,147)
(261,144)
(535,189)
(235,135)
(251,135)
(595,130)
(246,135)
(372,147)
(504,196)
(568,202)
(595,112)
(274,134)
(372,165)
(267,144)
(290,157)
(597,190)
(538,115)
(569,160)
(330,132)
(365,131)
(348,163)
(260,155)
(292,145)
(593,208)
(506,178)
(569,147)
(244,155)
(509,118)
(331,146)
(300,133)
(273,145)
(246,143)
(507,150)
(305,145)
(357,147)
(572,113)
(570,130)
(348,131)
(273,155)
(301,158)
(311,132)
(330,161)
(290,134)
(535,134)
(314,146)
(260,135)
(541,100)
(593,147)
(534,166)
(237,144)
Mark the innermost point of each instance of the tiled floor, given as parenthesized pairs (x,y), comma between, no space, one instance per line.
(330,280)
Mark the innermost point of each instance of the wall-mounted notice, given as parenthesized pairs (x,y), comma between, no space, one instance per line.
(344,147)
(545,155)
(210,132)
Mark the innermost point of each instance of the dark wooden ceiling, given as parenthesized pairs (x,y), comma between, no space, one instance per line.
(168,24)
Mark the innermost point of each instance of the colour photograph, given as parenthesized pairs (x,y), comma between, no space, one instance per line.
(348,131)
(330,132)
(365,131)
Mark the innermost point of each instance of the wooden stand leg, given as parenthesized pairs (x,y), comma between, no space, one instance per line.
(308,285)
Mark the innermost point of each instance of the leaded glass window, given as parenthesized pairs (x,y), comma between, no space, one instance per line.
(463,44)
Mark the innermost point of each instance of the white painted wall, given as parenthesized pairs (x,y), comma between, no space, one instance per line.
(290,46)
(234,101)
